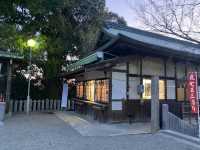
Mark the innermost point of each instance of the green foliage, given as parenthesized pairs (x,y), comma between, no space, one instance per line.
(60,27)
(65,26)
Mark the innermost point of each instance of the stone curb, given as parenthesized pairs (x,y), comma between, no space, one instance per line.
(182,136)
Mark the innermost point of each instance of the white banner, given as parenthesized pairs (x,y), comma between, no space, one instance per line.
(64,95)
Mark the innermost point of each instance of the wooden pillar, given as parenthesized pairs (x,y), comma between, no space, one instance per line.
(175,74)
(141,78)
(165,80)
(8,85)
(185,91)
(109,116)
(155,108)
(127,81)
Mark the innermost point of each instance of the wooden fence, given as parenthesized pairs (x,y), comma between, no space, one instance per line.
(174,123)
(35,105)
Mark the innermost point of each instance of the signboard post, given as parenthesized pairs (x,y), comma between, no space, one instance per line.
(192,85)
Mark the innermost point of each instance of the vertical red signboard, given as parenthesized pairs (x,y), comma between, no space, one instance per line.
(192,90)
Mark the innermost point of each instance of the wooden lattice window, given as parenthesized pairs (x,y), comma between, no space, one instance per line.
(79,90)
(90,90)
(102,91)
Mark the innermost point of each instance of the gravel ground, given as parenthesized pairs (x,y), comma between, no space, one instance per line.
(48,132)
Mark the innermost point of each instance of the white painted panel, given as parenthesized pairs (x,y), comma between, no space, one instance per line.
(171,89)
(116,105)
(133,84)
(118,85)
(152,66)
(170,68)
(121,66)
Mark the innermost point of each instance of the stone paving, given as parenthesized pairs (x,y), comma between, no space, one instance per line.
(48,132)
(88,127)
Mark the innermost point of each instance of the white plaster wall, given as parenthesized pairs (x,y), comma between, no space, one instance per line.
(118,85)
(180,68)
(133,83)
(134,66)
(170,68)
(152,66)
(171,90)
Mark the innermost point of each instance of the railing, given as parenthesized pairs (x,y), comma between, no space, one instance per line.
(174,123)
(35,105)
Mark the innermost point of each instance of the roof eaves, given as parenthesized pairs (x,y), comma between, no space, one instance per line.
(151,34)
(111,42)
(174,52)
(173,45)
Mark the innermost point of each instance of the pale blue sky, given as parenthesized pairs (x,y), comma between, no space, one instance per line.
(122,8)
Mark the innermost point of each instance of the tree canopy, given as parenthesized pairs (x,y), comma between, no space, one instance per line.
(60,27)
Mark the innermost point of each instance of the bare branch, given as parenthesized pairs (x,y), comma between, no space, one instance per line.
(175,17)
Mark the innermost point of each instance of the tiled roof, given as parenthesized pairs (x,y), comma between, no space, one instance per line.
(6,54)
(152,38)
